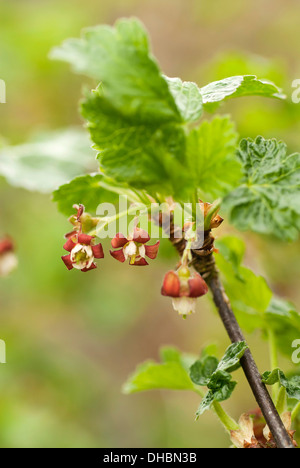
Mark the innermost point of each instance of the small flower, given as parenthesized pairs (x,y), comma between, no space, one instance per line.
(82,252)
(8,259)
(184,288)
(134,247)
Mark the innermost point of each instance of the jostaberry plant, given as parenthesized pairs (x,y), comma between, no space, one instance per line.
(154,146)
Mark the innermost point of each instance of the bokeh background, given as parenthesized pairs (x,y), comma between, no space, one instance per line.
(72,339)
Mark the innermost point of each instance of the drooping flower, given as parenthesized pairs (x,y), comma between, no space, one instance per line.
(134,247)
(83,252)
(184,288)
(8,259)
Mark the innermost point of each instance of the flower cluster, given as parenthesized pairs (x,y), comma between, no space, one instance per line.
(8,259)
(83,251)
(183,286)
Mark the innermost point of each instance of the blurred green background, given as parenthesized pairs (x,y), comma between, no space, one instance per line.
(72,339)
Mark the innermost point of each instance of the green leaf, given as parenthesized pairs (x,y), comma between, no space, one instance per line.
(144,155)
(210,349)
(291,385)
(268,201)
(89,190)
(151,376)
(225,391)
(251,298)
(120,58)
(218,379)
(283,319)
(231,359)
(172,374)
(211,157)
(202,370)
(233,250)
(136,116)
(205,404)
(249,294)
(188,98)
(216,375)
(209,372)
(48,161)
(171,354)
(238,86)
(271,378)
(222,394)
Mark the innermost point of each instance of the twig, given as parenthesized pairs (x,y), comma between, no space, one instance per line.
(276,426)
(204,263)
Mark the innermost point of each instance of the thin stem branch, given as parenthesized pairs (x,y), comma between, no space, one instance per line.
(103,223)
(295,411)
(228,423)
(273,361)
(281,400)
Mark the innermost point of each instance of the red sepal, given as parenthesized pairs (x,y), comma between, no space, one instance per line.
(98,251)
(69,245)
(197,286)
(85,239)
(119,241)
(118,255)
(171,285)
(6,245)
(92,267)
(67,261)
(152,250)
(71,234)
(140,236)
(140,262)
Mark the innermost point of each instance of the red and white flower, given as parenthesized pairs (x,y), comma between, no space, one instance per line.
(82,252)
(184,288)
(134,248)
(8,259)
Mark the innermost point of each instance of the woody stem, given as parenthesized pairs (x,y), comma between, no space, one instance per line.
(280,435)
(204,263)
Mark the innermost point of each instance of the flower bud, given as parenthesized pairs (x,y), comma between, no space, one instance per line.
(8,259)
(210,213)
